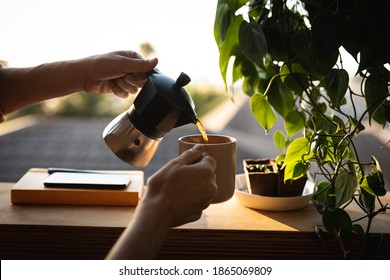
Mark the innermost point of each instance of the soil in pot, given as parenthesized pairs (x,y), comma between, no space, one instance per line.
(261,176)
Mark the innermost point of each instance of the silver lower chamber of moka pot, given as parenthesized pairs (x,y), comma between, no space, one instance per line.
(128,143)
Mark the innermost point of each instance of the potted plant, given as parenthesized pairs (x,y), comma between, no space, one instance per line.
(287,55)
(261,176)
(265,176)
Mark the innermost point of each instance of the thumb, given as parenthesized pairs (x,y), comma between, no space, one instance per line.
(141,65)
(192,155)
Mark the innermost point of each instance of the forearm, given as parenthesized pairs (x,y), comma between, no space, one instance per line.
(170,200)
(20,87)
(143,237)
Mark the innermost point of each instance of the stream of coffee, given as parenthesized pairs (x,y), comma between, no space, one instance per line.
(202,130)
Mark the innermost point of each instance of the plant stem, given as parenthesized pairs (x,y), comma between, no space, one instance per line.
(352,102)
(341,244)
(314,104)
(366,234)
(270,83)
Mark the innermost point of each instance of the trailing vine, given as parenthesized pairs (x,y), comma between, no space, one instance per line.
(287,56)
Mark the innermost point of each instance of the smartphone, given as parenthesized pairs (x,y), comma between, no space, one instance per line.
(87,180)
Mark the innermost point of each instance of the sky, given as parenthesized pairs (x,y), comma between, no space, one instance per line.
(181,31)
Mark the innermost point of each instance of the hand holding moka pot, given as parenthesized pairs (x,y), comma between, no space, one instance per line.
(161,105)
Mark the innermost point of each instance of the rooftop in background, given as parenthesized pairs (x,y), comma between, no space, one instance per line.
(74,143)
(77,142)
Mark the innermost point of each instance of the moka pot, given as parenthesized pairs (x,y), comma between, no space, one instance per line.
(161,105)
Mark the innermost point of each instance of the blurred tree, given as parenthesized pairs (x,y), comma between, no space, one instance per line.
(3,63)
(146,49)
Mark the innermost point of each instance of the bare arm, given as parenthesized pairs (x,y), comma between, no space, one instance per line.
(143,236)
(120,72)
(176,194)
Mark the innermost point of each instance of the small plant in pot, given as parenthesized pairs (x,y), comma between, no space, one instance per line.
(288,54)
(265,176)
(261,176)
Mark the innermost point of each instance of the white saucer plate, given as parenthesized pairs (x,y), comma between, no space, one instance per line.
(269,203)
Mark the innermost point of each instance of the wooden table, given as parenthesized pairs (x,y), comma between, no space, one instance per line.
(225,231)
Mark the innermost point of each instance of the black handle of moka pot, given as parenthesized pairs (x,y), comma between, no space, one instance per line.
(189,114)
(181,81)
(186,103)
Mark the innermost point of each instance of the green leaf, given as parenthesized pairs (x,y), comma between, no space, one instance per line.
(367,200)
(331,198)
(296,170)
(294,122)
(373,185)
(222,21)
(243,68)
(298,150)
(321,123)
(294,77)
(336,85)
(320,66)
(352,28)
(280,140)
(345,186)
(356,228)
(226,27)
(325,33)
(262,111)
(225,11)
(377,170)
(274,42)
(322,146)
(248,68)
(300,44)
(376,90)
(358,125)
(280,159)
(280,97)
(252,42)
(320,197)
(374,52)
(240,64)
(341,145)
(338,222)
